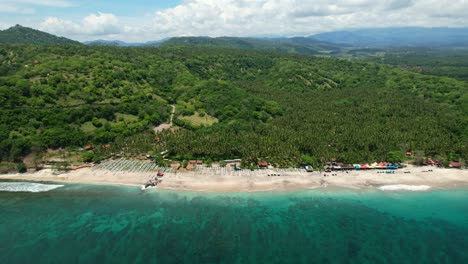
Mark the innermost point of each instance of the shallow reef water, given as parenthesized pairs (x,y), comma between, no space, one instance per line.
(108,224)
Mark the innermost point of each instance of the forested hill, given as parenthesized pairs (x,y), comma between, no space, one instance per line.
(24,35)
(300,45)
(285,108)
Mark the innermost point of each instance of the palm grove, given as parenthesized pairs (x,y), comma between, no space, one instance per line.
(284,108)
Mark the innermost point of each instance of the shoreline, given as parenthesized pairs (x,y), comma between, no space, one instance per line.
(215,180)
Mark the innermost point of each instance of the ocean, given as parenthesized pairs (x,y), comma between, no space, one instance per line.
(108,224)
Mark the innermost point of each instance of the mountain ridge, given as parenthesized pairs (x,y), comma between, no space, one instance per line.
(25,35)
(398,37)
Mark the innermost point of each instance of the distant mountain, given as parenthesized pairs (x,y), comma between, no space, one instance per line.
(299,45)
(24,35)
(119,43)
(399,37)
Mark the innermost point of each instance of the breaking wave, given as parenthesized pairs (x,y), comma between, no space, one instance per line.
(27,187)
(402,187)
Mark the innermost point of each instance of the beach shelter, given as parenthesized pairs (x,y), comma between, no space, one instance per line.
(336,167)
(381,165)
(365,166)
(357,166)
(454,164)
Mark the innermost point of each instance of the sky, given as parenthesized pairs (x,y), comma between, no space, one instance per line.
(146,20)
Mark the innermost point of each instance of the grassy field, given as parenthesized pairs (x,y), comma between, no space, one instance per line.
(126,118)
(197,120)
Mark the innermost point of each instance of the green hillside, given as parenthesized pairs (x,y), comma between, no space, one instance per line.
(287,45)
(25,35)
(285,108)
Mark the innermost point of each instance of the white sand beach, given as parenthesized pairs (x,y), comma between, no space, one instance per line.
(226,180)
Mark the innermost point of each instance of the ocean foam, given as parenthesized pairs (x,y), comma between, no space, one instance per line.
(26,187)
(402,187)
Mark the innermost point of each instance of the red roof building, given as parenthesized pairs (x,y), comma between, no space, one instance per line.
(89,147)
(454,164)
(263,164)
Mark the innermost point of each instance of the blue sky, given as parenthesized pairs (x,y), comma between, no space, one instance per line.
(145,20)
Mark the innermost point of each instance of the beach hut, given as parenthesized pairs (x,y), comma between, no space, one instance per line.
(262,164)
(308,168)
(454,164)
(336,167)
(392,167)
(357,166)
(89,147)
(381,165)
(191,167)
(365,166)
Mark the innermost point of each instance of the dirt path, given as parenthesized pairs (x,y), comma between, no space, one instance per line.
(161,127)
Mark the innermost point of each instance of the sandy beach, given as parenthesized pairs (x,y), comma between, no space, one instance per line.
(226,180)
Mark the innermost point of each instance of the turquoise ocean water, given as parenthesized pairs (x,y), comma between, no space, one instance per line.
(104,224)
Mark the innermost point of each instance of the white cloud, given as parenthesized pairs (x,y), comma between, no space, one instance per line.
(259,18)
(99,24)
(296,17)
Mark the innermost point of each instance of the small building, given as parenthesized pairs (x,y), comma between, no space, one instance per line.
(409,153)
(365,166)
(381,165)
(107,146)
(336,167)
(191,167)
(309,168)
(175,165)
(89,147)
(199,162)
(193,162)
(262,164)
(433,162)
(456,165)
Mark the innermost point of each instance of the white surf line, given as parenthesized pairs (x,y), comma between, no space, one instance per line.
(403,187)
(27,187)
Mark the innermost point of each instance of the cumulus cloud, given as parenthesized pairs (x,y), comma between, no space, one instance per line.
(260,18)
(92,25)
(296,17)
